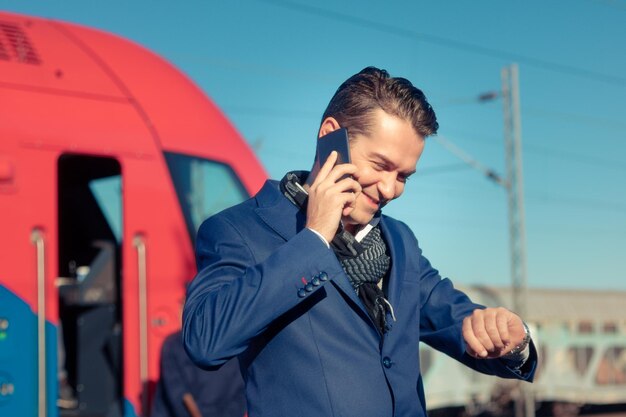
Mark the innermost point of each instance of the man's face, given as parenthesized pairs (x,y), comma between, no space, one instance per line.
(385,158)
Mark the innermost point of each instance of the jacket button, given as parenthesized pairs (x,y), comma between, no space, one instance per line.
(308,287)
(301,293)
(387,363)
(315,281)
(323,276)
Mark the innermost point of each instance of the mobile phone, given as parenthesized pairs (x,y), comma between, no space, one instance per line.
(336,140)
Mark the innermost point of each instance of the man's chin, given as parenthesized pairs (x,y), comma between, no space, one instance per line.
(355,221)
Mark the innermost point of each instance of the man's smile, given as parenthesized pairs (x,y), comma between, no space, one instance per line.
(371,200)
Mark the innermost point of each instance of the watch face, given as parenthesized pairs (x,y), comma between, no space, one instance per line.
(517,349)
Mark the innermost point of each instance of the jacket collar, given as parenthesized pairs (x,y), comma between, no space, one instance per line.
(278,212)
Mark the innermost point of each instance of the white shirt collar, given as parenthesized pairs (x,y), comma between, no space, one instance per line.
(360,235)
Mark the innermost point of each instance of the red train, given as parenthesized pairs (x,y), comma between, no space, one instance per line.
(109,160)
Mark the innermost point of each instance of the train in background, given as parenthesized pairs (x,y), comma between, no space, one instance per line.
(109,160)
(581,341)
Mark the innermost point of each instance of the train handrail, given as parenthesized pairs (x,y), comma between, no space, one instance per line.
(37,239)
(139,242)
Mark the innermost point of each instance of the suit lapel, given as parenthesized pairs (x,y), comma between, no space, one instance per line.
(398,261)
(279,213)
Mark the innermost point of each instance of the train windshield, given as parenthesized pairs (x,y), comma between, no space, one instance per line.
(203,187)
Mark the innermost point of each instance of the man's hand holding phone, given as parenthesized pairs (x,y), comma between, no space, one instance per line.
(331,196)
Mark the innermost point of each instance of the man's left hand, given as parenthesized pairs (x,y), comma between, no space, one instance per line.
(492,332)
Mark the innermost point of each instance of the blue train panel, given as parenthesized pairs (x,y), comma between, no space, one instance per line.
(18,359)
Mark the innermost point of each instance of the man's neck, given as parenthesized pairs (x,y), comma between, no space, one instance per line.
(353,229)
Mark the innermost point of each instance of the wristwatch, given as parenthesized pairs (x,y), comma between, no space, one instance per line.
(523,344)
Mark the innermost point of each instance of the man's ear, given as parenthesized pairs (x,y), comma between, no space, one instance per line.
(330,124)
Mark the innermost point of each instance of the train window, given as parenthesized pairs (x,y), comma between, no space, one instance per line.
(609,327)
(585,327)
(108,193)
(580,357)
(612,367)
(203,187)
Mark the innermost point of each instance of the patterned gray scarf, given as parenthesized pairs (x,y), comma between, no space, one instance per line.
(365,262)
(371,264)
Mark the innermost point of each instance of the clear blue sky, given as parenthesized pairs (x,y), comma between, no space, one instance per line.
(273,65)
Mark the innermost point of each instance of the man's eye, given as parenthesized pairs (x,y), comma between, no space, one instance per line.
(404,178)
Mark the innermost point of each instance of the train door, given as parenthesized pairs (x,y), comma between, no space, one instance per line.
(158,261)
(90,363)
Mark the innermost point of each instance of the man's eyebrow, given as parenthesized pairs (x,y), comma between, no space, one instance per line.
(390,163)
(384,159)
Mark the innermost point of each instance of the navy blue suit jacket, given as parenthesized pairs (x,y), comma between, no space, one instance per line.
(313,351)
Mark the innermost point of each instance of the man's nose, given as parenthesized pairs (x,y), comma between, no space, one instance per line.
(387,186)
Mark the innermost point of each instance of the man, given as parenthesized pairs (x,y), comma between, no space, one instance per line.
(184,390)
(323,299)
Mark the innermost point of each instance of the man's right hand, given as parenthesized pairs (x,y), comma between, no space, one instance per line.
(331,197)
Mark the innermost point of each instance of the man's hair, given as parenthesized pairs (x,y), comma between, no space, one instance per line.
(371,89)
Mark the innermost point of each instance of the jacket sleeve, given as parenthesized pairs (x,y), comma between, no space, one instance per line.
(443,309)
(235,296)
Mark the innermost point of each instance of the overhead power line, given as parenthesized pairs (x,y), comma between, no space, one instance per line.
(442,169)
(450,43)
(611,3)
(578,118)
(469,160)
(577,202)
(534,196)
(539,150)
(573,156)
